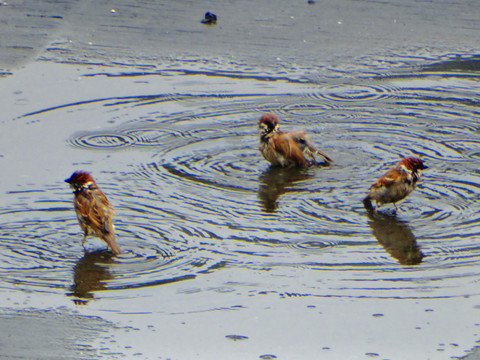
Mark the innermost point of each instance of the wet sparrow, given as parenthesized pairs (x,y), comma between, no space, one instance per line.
(286,149)
(396,183)
(94,212)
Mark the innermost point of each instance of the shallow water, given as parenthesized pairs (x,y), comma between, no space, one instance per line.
(198,209)
(193,194)
(222,253)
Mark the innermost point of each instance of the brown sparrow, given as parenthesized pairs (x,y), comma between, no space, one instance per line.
(94,212)
(286,149)
(396,183)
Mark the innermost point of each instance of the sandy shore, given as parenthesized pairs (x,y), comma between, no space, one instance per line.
(289,34)
(49,334)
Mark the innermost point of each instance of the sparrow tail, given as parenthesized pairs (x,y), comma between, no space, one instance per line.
(367,202)
(110,240)
(308,149)
(327,159)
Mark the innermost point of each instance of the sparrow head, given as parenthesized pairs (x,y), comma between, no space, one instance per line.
(268,123)
(80,179)
(412,163)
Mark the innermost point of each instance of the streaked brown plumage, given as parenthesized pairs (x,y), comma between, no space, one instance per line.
(396,184)
(94,211)
(286,149)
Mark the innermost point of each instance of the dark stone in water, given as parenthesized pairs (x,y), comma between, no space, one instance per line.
(236,337)
(210,18)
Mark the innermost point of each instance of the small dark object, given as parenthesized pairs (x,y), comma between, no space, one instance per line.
(367,202)
(210,18)
(311,2)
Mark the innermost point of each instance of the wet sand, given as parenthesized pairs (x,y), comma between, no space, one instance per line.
(50,334)
(328,38)
(290,34)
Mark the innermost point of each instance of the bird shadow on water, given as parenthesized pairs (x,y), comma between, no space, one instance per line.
(396,237)
(276,181)
(89,274)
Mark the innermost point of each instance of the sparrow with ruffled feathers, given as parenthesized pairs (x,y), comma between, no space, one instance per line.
(396,184)
(94,211)
(289,148)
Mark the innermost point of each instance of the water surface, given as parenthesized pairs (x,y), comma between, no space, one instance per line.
(222,253)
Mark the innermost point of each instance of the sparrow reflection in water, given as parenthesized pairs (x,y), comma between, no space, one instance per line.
(89,274)
(287,149)
(396,237)
(94,211)
(396,184)
(276,181)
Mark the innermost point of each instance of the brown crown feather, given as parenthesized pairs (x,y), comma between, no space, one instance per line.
(79,179)
(413,163)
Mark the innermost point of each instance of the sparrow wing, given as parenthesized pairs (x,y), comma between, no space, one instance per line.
(308,148)
(287,146)
(102,211)
(95,210)
(391,177)
(105,213)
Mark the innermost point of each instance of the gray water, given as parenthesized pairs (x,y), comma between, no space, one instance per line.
(224,256)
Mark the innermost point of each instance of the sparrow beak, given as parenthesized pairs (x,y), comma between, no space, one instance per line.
(425,167)
(68,180)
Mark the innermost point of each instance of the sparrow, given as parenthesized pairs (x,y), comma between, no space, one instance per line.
(94,211)
(395,184)
(286,149)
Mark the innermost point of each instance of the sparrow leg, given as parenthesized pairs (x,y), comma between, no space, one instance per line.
(396,207)
(377,205)
(84,239)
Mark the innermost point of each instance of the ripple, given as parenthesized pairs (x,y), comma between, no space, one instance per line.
(103,140)
(217,167)
(154,136)
(50,255)
(215,162)
(314,245)
(305,109)
(201,199)
(468,148)
(356,92)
